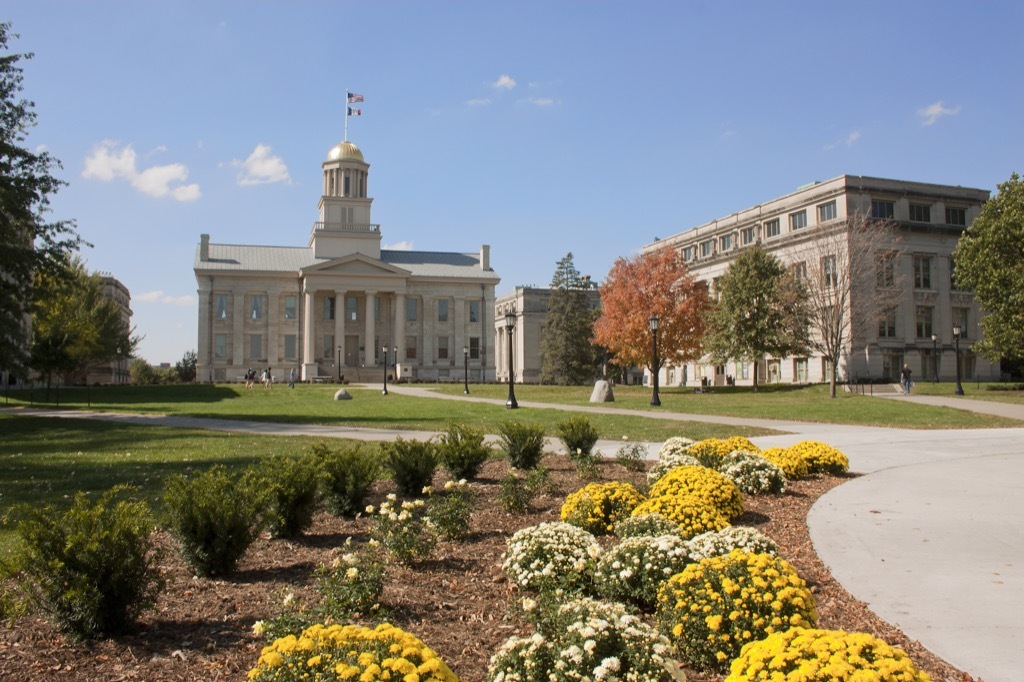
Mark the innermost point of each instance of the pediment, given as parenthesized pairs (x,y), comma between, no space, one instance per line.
(355,264)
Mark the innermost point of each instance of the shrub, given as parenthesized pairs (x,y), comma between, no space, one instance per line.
(578,436)
(711,451)
(706,485)
(633,571)
(342,652)
(348,474)
(411,463)
(674,446)
(550,556)
(291,618)
(403,530)
(598,642)
(519,488)
(91,567)
(821,458)
(632,457)
(716,606)
(719,542)
(670,462)
(451,510)
(826,655)
(294,485)
(597,507)
(216,516)
(351,585)
(792,464)
(461,451)
(753,474)
(523,443)
(644,524)
(691,515)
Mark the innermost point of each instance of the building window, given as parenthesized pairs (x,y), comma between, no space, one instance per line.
(924,321)
(220,346)
(830,277)
(956,216)
(799,271)
(772,228)
(881,210)
(329,346)
(920,213)
(887,324)
(221,307)
(961,317)
(748,235)
(827,212)
(410,311)
(725,242)
(329,310)
(474,348)
(886,269)
(255,345)
(442,348)
(351,309)
(474,311)
(707,248)
(410,347)
(800,370)
(687,254)
(290,307)
(744,370)
(290,347)
(256,306)
(442,311)
(797,220)
(922,272)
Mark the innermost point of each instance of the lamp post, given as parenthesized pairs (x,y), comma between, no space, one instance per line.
(385,350)
(654,322)
(394,361)
(465,370)
(339,364)
(956,338)
(935,357)
(510,325)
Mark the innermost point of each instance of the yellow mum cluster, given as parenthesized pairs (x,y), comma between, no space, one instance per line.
(714,607)
(711,451)
(791,463)
(705,486)
(692,517)
(350,652)
(821,457)
(597,507)
(826,655)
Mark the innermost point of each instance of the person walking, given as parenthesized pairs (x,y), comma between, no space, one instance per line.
(291,378)
(269,378)
(905,379)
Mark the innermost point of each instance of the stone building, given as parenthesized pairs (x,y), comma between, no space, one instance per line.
(918,331)
(342,307)
(115,371)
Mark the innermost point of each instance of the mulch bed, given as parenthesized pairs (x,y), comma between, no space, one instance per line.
(456,602)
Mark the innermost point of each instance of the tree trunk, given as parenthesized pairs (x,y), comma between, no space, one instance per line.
(755,376)
(832,379)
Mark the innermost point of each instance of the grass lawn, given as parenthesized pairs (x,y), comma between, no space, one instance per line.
(991,391)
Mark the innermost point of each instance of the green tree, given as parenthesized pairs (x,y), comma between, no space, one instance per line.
(568,356)
(31,245)
(990,261)
(186,367)
(760,311)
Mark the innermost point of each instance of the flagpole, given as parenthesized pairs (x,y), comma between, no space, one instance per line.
(346,115)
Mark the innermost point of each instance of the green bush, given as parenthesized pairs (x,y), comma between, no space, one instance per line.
(632,457)
(578,436)
(451,510)
(352,584)
(294,485)
(412,464)
(462,451)
(216,516)
(519,488)
(91,567)
(348,474)
(523,443)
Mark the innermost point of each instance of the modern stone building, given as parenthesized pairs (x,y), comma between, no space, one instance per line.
(918,330)
(340,307)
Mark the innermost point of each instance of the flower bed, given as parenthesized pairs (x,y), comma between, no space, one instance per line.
(597,507)
(704,485)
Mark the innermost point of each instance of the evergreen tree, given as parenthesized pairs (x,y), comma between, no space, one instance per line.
(568,358)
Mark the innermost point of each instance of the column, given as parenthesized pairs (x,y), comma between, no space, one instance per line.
(460,337)
(339,326)
(273,327)
(370,344)
(429,358)
(309,368)
(237,358)
(400,326)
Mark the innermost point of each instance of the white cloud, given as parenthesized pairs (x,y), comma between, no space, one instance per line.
(40,148)
(481,102)
(160,297)
(403,245)
(849,140)
(541,101)
(504,82)
(261,167)
(933,112)
(109,161)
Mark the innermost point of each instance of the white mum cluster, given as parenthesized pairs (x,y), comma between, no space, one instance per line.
(752,473)
(721,542)
(550,556)
(673,453)
(634,570)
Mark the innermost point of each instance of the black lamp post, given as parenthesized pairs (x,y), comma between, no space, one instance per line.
(956,338)
(935,357)
(385,391)
(510,325)
(654,322)
(465,370)
(339,364)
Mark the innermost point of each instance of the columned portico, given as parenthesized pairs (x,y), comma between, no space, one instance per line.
(309,366)
(370,346)
(339,326)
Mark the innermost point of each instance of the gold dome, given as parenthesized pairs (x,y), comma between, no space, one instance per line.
(345,150)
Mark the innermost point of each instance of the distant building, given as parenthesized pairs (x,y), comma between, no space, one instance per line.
(115,371)
(919,331)
(341,305)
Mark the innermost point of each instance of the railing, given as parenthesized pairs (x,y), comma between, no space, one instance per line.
(346,227)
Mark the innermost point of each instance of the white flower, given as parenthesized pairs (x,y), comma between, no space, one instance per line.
(352,573)
(369,509)
(258,628)
(427,490)
(289,597)
(529,604)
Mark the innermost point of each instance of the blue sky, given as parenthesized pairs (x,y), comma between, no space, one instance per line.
(536,127)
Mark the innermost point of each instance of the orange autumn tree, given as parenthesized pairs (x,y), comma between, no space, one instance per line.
(655,283)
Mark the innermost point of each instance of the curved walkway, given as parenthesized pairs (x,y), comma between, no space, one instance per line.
(930,536)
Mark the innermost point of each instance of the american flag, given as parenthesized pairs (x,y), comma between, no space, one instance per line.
(355,112)
(353,98)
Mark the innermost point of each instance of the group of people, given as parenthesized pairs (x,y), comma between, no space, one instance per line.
(266,378)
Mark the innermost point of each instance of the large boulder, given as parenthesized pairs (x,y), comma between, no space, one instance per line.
(602,392)
(342,394)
